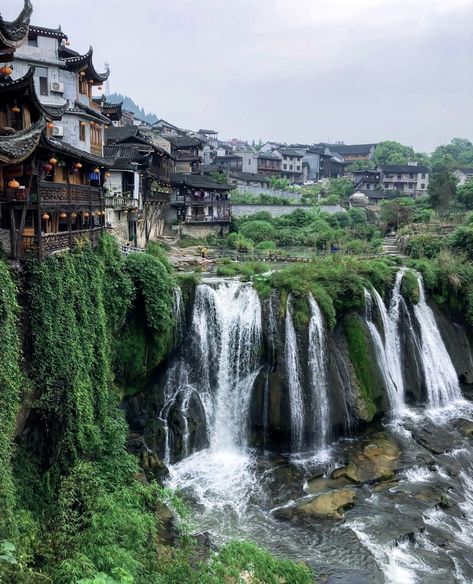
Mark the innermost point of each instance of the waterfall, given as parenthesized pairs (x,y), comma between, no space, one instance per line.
(318,374)
(388,346)
(439,373)
(178,313)
(294,381)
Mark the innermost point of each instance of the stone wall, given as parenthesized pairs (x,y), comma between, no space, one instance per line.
(202,230)
(5,241)
(257,191)
(279,210)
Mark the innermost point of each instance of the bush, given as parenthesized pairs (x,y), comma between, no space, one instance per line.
(424,245)
(410,287)
(258,231)
(266,245)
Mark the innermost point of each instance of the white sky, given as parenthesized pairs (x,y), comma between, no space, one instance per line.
(294,70)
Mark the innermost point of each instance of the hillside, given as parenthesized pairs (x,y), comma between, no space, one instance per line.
(130,105)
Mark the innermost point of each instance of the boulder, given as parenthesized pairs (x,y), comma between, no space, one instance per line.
(328,505)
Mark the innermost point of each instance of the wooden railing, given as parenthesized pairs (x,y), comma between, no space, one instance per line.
(121,202)
(54,242)
(67,194)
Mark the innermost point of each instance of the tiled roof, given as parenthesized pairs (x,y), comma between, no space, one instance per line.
(47,32)
(291,152)
(198,181)
(123,155)
(81,108)
(58,146)
(411,168)
(348,149)
(15,148)
(13,34)
(85,62)
(26,85)
(184,141)
(113,134)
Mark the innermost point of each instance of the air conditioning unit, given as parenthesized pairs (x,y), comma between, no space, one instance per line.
(58,131)
(57,86)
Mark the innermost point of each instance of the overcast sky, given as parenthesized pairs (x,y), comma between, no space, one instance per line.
(293,70)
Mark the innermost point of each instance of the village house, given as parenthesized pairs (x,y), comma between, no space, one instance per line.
(200,205)
(187,153)
(463,175)
(291,165)
(352,152)
(50,190)
(409,179)
(269,164)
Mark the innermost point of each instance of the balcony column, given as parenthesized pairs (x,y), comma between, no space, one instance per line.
(39,224)
(69,226)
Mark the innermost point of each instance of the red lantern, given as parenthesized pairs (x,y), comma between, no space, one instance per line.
(13,184)
(53,161)
(47,167)
(78,165)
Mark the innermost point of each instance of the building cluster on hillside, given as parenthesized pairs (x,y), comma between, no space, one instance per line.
(72,164)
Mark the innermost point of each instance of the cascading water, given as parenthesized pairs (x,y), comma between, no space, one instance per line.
(388,346)
(318,375)
(294,381)
(440,376)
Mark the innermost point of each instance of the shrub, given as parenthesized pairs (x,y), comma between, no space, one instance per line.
(258,231)
(266,245)
(410,287)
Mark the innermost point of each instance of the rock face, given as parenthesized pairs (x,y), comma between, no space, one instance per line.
(327,506)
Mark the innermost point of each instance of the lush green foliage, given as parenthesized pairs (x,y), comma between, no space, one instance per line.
(148,333)
(390,152)
(336,282)
(258,230)
(359,353)
(12,381)
(410,287)
(239,198)
(458,153)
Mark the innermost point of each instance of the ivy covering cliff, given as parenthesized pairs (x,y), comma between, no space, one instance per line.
(76,507)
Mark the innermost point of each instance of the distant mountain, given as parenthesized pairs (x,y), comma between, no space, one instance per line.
(131,106)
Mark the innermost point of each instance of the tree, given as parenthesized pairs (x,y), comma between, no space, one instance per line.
(397,212)
(459,152)
(442,188)
(465,194)
(390,152)
(361,165)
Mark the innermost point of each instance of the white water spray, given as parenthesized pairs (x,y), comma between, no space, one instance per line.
(439,373)
(294,381)
(318,374)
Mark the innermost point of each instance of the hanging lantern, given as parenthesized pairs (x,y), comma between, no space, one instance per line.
(6,70)
(15,109)
(13,184)
(86,214)
(108,175)
(82,123)
(78,165)
(73,215)
(53,161)
(63,215)
(50,125)
(97,170)
(98,213)
(82,73)
(67,43)
(45,216)
(47,167)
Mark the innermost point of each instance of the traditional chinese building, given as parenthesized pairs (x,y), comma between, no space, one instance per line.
(50,191)
(200,206)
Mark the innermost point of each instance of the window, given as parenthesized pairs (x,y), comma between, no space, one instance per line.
(249,162)
(284,166)
(423,175)
(422,186)
(41,74)
(82,131)
(399,176)
(298,167)
(411,175)
(368,186)
(83,86)
(291,167)
(33,42)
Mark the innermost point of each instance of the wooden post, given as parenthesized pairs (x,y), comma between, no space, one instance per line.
(69,199)
(39,225)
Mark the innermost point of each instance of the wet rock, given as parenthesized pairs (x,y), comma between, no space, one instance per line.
(465,427)
(433,439)
(153,467)
(372,462)
(324,485)
(328,505)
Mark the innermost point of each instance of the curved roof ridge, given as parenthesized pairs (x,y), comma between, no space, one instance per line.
(86,59)
(52,112)
(15,148)
(14,33)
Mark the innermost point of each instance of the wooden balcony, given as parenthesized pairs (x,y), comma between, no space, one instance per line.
(61,194)
(50,243)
